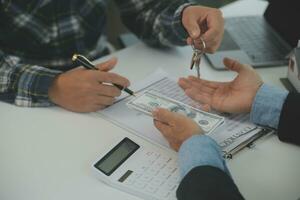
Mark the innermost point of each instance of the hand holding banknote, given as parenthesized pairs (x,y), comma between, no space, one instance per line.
(149,101)
(175,127)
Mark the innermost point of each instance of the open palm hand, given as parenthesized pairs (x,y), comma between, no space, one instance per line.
(233,97)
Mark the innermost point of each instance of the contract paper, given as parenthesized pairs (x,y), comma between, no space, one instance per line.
(235,130)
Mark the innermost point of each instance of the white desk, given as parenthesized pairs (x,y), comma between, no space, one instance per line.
(46,153)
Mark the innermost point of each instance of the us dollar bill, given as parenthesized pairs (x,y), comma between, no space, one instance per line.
(150,100)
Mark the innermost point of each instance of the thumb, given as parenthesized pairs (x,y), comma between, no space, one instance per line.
(192,27)
(107,65)
(233,65)
(164,116)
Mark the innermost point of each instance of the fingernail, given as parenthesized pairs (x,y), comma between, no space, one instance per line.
(195,33)
(180,80)
(155,112)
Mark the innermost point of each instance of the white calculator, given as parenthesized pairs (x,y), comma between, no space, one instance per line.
(146,173)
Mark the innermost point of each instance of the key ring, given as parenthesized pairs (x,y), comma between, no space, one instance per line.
(203,45)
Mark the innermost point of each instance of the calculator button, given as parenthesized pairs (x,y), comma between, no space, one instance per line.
(156,182)
(129,181)
(149,161)
(174,178)
(146,177)
(164,174)
(163,193)
(139,172)
(172,162)
(140,184)
(173,195)
(157,155)
(136,175)
(152,171)
(149,153)
(171,186)
(165,159)
(159,164)
(171,169)
(152,155)
(151,189)
(144,167)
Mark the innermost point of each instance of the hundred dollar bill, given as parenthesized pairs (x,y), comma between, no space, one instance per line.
(150,100)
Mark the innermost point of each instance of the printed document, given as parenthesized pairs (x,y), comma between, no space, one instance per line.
(235,130)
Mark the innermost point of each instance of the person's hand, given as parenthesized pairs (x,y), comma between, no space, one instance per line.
(176,128)
(82,90)
(204,22)
(233,97)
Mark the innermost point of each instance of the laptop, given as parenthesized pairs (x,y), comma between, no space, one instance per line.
(261,41)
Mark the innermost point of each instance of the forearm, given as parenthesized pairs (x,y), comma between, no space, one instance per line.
(24,85)
(204,172)
(158,23)
(200,150)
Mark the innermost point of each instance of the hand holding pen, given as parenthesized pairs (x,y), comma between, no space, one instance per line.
(82,90)
(89,65)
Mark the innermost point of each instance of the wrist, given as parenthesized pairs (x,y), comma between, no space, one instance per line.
(178,26)
(54,89)
(251,103)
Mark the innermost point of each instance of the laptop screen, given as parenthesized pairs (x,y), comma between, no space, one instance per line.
(284,16)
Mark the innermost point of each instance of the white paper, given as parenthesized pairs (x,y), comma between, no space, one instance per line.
(228,136)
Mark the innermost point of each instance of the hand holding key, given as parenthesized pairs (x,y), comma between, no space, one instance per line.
(208,23)
(197,54)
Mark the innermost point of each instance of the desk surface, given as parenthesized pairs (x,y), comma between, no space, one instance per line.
(47,153)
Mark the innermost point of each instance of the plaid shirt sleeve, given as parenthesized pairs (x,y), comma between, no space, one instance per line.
(158,23)
(24,85)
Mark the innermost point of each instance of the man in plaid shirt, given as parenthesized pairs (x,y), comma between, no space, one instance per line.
(38,38)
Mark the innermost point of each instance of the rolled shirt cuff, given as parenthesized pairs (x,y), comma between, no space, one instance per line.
(200,150)
(267,106)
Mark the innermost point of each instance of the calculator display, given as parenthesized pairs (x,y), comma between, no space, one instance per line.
(118,155)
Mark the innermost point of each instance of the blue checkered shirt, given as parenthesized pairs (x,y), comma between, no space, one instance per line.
(38,38)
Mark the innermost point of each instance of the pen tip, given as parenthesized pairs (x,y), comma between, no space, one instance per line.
(74,57)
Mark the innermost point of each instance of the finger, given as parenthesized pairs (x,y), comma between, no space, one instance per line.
(165,116)
(206,107)
(215,30)
(163,128)
(210,35)
(97,107)
(212,39)
(198,44)
(203,98)
(189,41)
(184,83)
(233,65)
(109,77)
(211,84)
(103,100)
(191,25)
(89,108)
(107,65)
(199,97)
(107,90)
(202,88)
